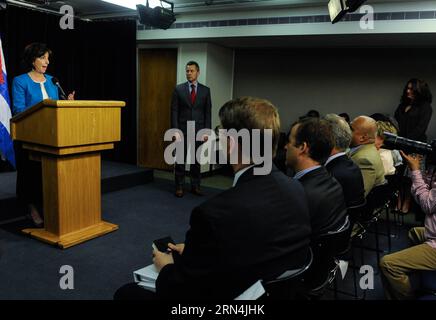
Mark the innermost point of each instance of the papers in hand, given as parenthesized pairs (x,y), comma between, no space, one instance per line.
(146,277)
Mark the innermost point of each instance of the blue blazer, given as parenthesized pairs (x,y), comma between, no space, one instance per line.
(26,92)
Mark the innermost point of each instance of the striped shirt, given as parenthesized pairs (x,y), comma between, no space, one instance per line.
(424,192)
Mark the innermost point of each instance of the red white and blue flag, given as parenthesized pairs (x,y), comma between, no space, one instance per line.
(6,145)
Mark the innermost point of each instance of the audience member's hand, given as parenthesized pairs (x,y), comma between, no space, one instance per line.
(71,95)
(412,160)
(177,247)
(161,259)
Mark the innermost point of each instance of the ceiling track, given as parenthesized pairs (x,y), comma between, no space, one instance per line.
(35,7)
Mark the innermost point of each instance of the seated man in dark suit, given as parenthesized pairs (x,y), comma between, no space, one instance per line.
(310,144)
(256,230)
(341,166)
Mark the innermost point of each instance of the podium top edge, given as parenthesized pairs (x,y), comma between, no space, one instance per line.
(83,103)
(68,104)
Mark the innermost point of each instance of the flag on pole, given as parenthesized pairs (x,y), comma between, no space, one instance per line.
(6,145)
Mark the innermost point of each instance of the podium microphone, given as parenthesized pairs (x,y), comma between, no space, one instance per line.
(56,83)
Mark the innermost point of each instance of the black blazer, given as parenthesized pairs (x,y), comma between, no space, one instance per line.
(348,174)
(182,109)
(326,201)
(413,124)
(255,230)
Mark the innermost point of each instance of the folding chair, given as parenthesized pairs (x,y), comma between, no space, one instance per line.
(288,285)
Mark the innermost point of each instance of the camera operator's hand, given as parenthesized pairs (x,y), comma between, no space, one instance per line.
(412,160)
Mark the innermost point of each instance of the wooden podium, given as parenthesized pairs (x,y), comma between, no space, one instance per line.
(67,137)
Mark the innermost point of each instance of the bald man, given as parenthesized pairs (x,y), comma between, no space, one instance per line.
(364,153)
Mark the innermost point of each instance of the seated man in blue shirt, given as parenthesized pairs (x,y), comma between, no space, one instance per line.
(309,146)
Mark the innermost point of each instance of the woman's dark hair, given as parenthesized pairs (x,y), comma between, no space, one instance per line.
(420,89)
(379,117)
(345,116)
(385,118)
(313,113)
(33,51)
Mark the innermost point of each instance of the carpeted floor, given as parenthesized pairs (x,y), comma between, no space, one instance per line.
(30,269)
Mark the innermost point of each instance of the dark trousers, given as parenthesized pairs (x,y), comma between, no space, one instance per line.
(132,291)
(29,177)
(194,169)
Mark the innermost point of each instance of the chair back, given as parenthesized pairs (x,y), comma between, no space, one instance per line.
(377,199)
(289,284)
(355,213)
(326,248)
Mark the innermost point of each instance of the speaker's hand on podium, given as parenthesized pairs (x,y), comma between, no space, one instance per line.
(71,95)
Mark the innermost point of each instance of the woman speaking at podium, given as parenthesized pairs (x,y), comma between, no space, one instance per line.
(29,89)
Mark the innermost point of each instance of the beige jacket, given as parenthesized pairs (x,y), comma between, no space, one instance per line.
(368,159)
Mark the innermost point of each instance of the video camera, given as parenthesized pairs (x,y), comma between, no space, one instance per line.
(409,146)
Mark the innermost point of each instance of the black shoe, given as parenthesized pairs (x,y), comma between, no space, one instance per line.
(179,192)
(197,191)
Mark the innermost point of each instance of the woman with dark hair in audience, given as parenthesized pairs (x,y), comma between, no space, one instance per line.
(27,90)
(413,116)
(397,267)
(415,111)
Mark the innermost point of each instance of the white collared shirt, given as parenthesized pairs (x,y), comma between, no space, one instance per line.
(239,173)
(337,155)
(190,86)
(301,173)
(354,149)
(43,91)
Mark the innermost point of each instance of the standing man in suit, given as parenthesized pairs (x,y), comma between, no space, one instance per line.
(258,229)
(341,166)
(309,146)
(191,101)
(364,153)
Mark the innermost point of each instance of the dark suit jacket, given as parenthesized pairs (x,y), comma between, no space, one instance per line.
(255,230)
(348,174)
(413,124)
(326,201)
(182,109)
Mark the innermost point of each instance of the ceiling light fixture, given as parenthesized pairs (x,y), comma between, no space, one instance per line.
(131,4)
(159,17)
(338,8)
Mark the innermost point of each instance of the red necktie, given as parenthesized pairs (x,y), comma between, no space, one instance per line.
(193,93)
